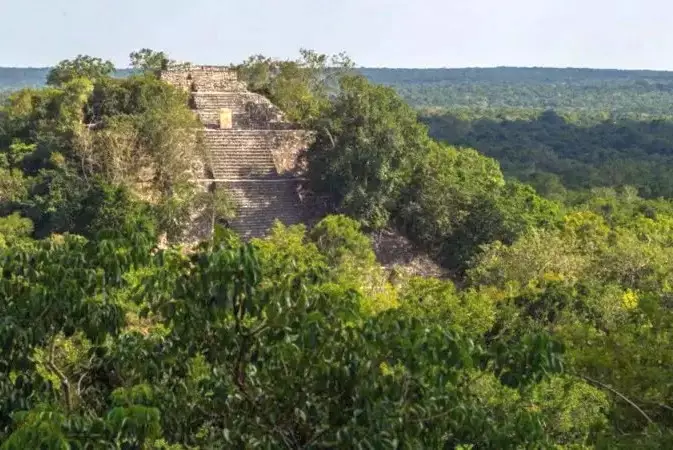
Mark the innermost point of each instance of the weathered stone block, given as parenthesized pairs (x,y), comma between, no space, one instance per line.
(226,120)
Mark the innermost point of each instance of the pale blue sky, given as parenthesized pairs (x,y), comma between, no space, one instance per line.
(393,33)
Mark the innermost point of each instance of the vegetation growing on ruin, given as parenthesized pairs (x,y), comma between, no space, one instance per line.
(552,330)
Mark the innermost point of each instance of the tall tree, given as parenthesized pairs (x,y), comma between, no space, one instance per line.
(152,62)
(82,66)
(367,146)
(301,87)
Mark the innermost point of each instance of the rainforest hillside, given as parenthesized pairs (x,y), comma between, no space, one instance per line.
(552,327)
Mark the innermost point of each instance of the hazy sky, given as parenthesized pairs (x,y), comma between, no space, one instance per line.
(393,33)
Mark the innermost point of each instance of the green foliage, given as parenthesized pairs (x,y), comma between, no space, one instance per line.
(553,330)
(65,149)
(585,272)
(548,149)
(12,186)
(81,67)
(150,61)
(286,247)
(569,90)
(277,361)
(602,283)
(352,262)
(598,91)
(450,185)
(339,237)
(300,88)
(17,152)
(459,201)
(376,163)
(438,301)
(15,226)
(366,150)
(111,212)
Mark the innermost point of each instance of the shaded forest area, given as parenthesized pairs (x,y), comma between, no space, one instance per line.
(554,152)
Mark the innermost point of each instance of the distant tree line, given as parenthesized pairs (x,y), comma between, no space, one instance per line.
(585,90)
(588,90)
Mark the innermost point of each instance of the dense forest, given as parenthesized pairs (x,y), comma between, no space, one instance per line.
(556,152)
(552,328)
(591,90)
(625,91)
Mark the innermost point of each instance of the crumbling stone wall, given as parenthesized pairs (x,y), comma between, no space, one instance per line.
(287,150)
(203,79)
(260,114)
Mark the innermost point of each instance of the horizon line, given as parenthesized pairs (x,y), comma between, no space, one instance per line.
(431,68)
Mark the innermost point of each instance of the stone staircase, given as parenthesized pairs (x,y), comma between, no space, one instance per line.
(242,162)
(255,158)
(240,154)
(262,202)
(249,110)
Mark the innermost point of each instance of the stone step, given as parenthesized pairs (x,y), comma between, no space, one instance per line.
(261,134)
(249,138)
(243,121)
(249,110)
(242,171)
(261,203)
(237,154)
(239,143)
(248,153)
(232,100)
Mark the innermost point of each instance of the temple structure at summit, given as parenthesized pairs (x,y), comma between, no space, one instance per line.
(252,150)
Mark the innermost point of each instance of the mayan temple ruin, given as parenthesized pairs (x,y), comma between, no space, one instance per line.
(252,149)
